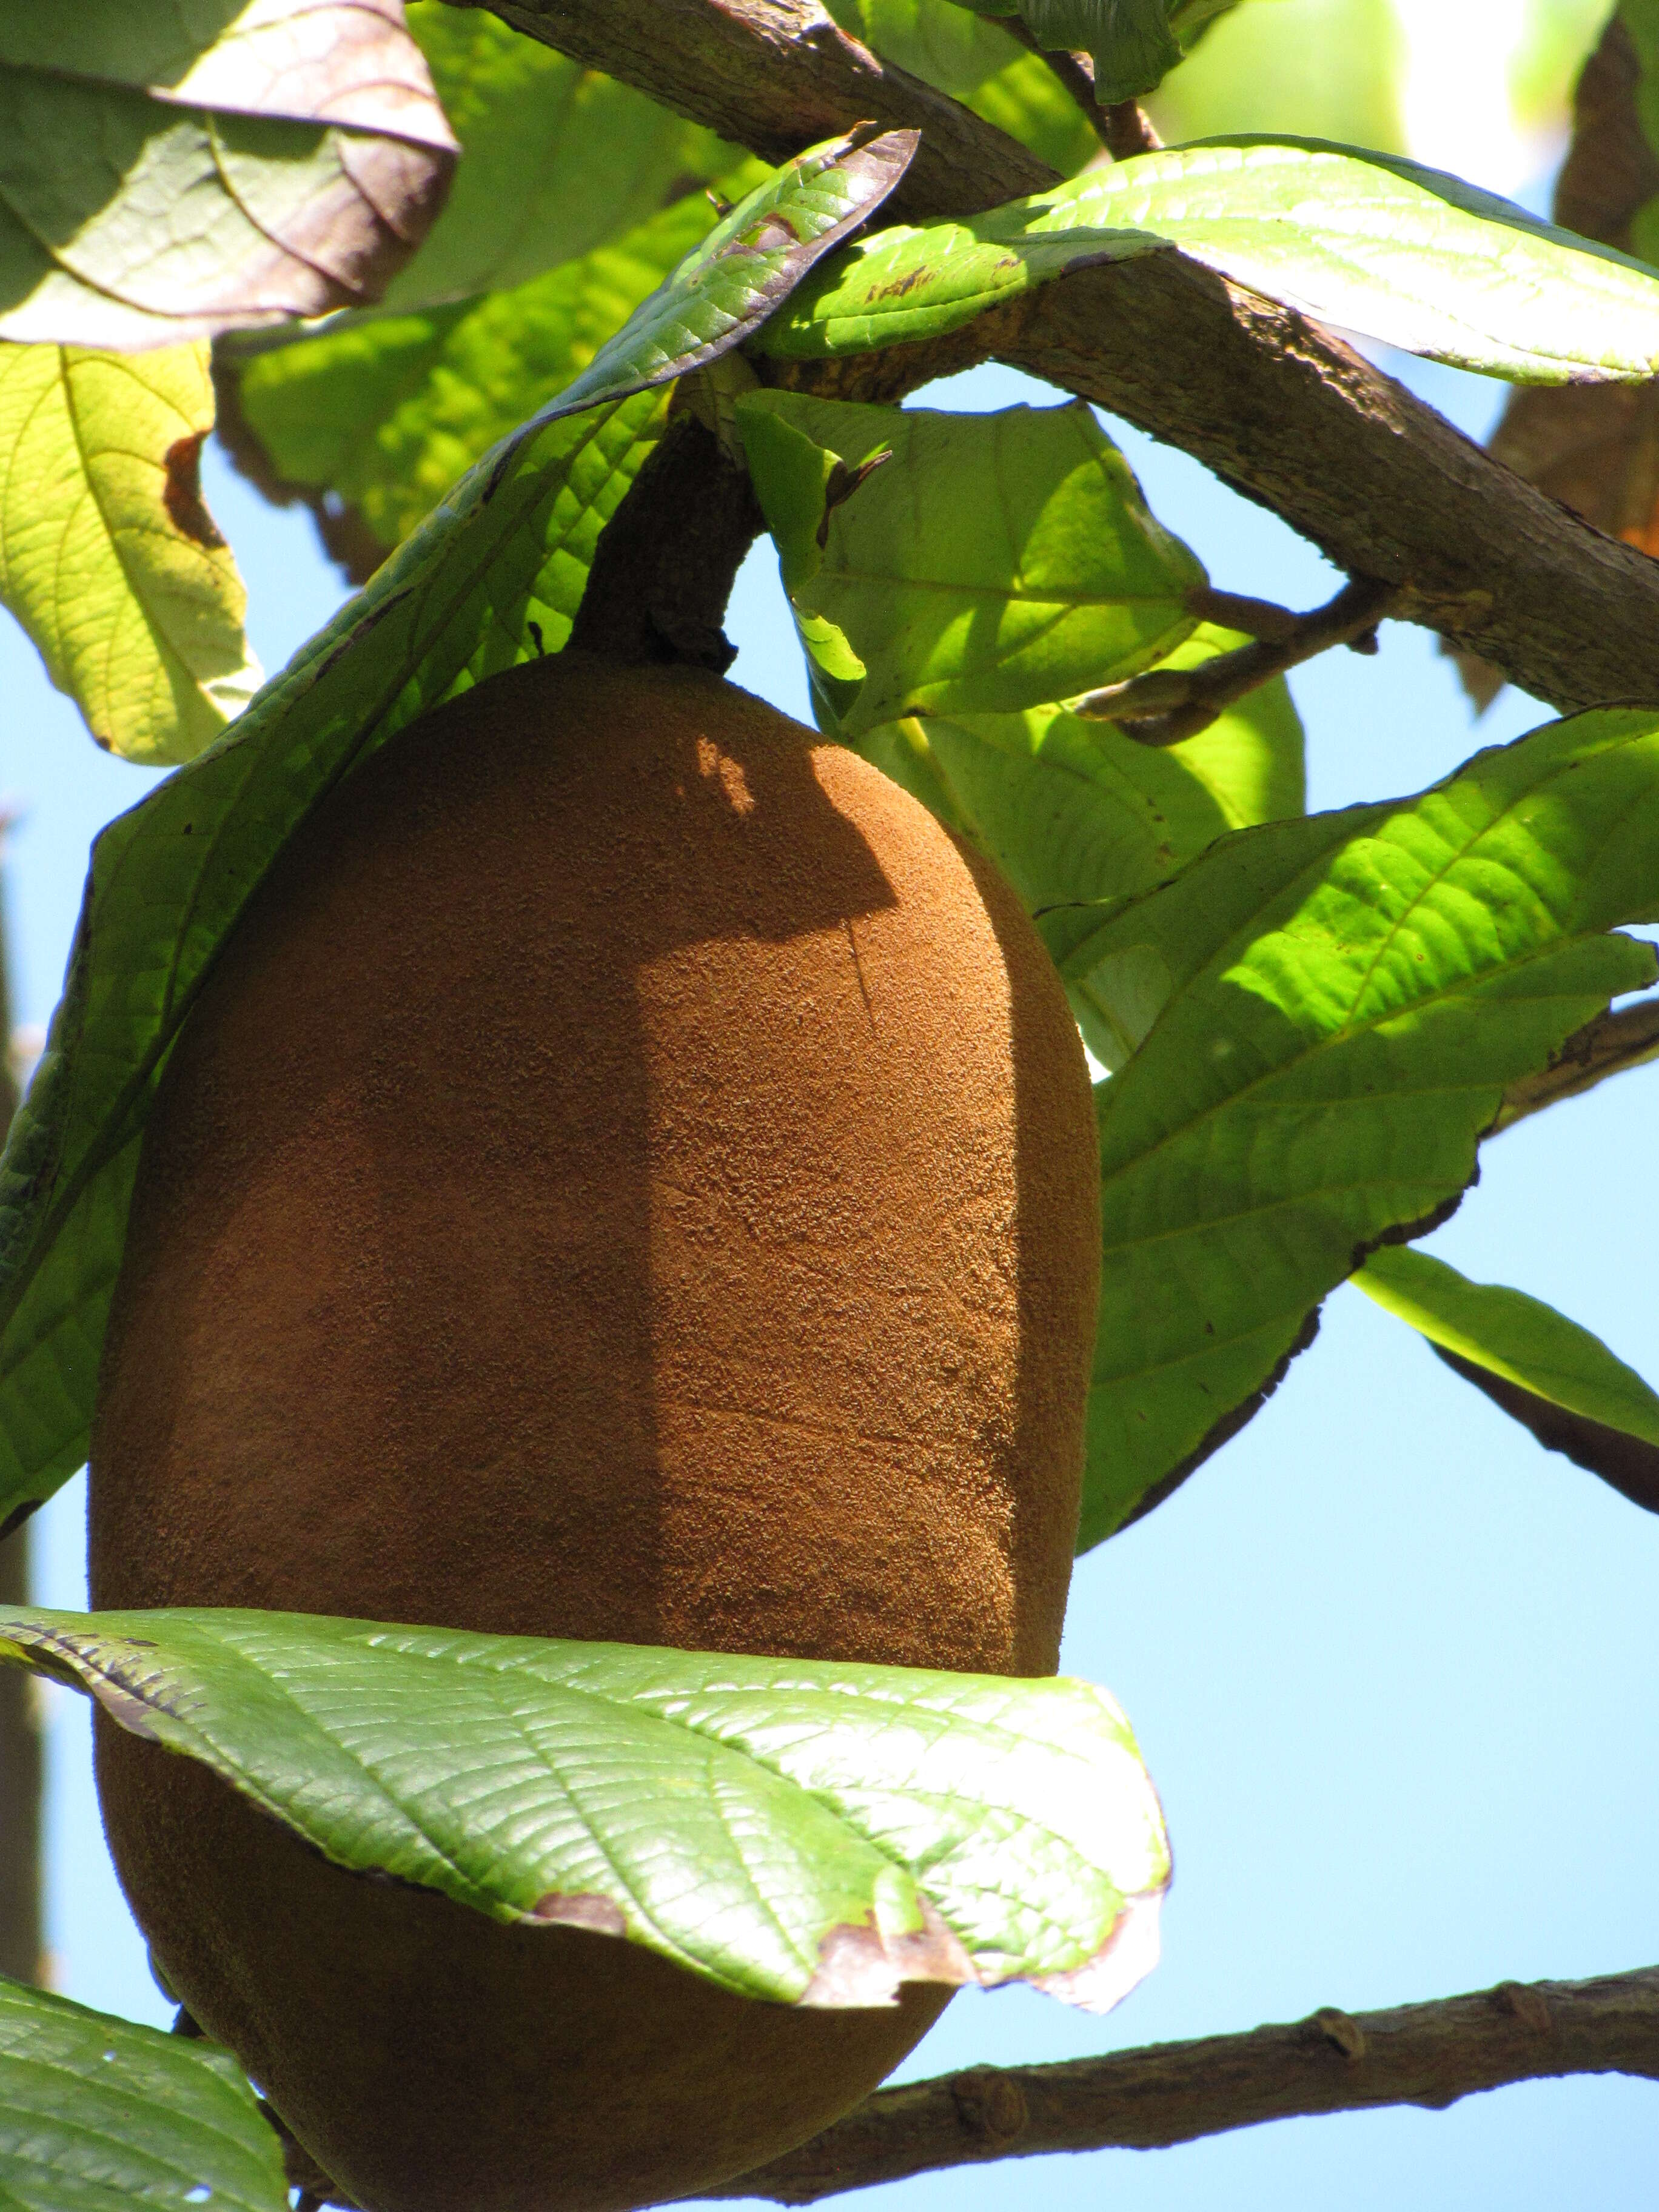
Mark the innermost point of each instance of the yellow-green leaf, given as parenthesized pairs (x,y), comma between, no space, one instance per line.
(107,555)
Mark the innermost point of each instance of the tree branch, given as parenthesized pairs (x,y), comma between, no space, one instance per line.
(1420,2054)
(1167,704)
(1123,129)
(20,1735)
(1279,408)
(1605,1047)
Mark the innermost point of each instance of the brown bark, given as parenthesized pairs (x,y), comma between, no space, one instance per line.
(1335,2062)
(1279,408)
(1607,1046)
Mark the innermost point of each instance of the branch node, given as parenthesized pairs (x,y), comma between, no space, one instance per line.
(991,2106)
(1530,2006)
(1342,2031)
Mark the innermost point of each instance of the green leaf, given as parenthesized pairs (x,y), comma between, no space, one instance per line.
(1073,810)
(1326,68)
(1331,1009)
(557,159)
(803,1830)
(108,557)
(1560,1381)
(384,416)
(1418,259)
(970,56)
(746,266)
(995,562)
(1129,41)
(96,2115)
(493,577)
(299,157)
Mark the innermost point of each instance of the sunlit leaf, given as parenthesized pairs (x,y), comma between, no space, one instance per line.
(493,577)
(97,2115)
(994,562)
(380,418)
(1417,259)
(165,173)
(1329,69)
(805,1831)
(107,555)
(1072,811)
(1331,1009)
(974,59)
(1553,1376)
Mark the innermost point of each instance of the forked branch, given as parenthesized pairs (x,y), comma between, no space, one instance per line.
(1173,2093)
(1278,407)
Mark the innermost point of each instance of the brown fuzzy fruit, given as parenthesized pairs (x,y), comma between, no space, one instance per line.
(631,1174)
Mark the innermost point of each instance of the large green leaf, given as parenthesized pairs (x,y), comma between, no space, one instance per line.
(492,578)
(382,417)
(805,1830)
(994,562)
(975,61)
(166,173)
(99,2116)
(1418,259)
(1332,1008)
(1073,810)
(557,159)
(107,555)
(1560,1381)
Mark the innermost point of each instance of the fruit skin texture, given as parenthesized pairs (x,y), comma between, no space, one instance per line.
(631,1174)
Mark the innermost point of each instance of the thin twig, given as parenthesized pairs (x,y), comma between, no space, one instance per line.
(1122,128)
(1422,2054)
(1167,704)
(1605,1047)
(1428,2054)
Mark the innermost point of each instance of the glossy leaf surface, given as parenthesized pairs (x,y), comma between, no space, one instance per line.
(1415,258)
(1330,1010)
(994,562)
(167,172)
(1553,1376)
(803,1830)
(97,2115)
(107,555)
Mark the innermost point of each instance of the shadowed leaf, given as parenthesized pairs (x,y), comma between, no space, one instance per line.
(97,2114)
(1332,1009)
(297,151)
(805,1831)
(108,557)
(1552,1376)
(1129,41)
(1416,257)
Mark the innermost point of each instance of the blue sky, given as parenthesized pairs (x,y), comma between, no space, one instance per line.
(1392,1665)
